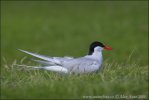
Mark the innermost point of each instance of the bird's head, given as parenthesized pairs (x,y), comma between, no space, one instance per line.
(98,46)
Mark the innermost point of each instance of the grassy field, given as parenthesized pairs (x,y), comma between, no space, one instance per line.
(66,28)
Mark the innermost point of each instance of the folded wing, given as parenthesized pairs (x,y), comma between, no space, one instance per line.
(42,57)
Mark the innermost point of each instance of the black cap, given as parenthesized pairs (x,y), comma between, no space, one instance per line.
(93,45)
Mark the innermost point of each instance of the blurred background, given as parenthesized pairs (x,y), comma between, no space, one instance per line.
(66,28)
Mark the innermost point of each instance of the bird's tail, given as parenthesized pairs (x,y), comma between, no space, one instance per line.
(47,63)
(58,69)
(54,68)
(48,59)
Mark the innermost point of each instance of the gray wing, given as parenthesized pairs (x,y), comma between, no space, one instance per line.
(81,65)
(60,59)
(48,60)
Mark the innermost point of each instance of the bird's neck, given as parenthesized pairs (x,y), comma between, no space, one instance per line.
(97,55)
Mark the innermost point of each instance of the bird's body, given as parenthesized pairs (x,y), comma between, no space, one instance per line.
(87,64)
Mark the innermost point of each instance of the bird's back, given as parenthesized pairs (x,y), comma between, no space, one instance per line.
(81,65)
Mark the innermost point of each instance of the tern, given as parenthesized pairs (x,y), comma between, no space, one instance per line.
(86,64)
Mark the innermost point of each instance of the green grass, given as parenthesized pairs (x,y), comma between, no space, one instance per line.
(66,29)
(113,79)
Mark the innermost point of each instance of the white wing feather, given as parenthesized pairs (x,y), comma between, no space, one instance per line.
(41,57)
(58,69)
(54,68)
(45,62)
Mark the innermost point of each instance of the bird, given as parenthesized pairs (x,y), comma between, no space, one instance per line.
(89,63)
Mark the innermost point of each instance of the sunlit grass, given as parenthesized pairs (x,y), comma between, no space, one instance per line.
(112,79)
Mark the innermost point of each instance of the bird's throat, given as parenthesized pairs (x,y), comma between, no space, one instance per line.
(97,55)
